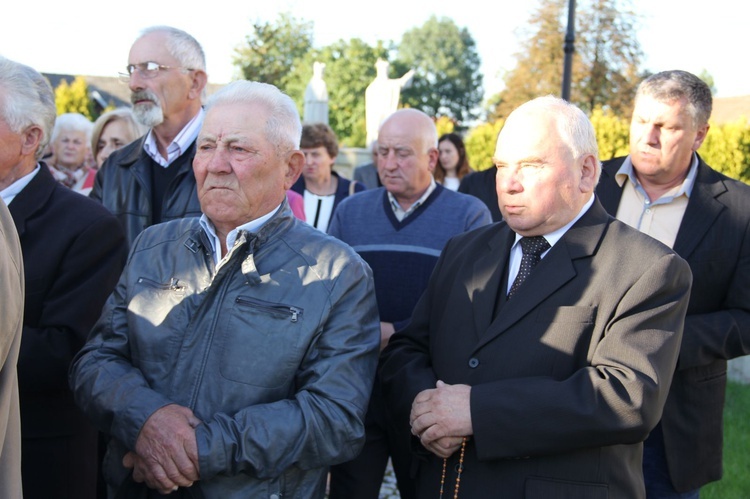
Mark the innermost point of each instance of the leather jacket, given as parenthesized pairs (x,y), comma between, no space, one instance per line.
(274,351)
(123,186)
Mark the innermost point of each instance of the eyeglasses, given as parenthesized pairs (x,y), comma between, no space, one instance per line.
(147,70)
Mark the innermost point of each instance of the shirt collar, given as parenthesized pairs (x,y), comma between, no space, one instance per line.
(179,145)
(626,172)
(399,211)
(10,192)
(251,226)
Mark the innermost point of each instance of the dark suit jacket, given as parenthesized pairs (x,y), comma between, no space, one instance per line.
(482,185)
(714,238)
(73,251)
(570,376)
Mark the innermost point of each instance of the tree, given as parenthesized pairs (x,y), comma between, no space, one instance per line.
(605,63)
(708,79)
(272,51)
(610,55)
(539,63)
(447,80)
(74,98)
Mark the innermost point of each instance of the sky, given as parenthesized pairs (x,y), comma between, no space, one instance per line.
(91,37)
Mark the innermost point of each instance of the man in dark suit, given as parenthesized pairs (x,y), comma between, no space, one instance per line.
(73,252)
(540,381)
(482,185)
(664,189)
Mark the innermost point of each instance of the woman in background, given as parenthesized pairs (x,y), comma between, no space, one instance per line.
(452,163)
(70,146)
(112,130)
(321,187)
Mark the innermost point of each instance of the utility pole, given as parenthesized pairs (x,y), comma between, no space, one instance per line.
(569,48)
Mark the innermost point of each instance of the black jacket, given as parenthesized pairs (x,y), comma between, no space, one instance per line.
(123,186)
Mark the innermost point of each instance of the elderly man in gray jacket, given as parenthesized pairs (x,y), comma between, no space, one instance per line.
(237,353)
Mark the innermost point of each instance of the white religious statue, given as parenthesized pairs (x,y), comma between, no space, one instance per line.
(381,97)
(316,97)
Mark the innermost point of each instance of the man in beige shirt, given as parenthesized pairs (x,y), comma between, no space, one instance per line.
(664,189)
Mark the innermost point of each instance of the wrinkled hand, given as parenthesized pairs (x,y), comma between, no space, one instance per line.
(441,417)
(166,451)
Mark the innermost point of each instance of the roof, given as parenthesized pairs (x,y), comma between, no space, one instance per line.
(108,90)
(730,109)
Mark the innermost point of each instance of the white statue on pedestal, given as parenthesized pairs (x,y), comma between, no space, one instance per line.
(382,96)
(316,97)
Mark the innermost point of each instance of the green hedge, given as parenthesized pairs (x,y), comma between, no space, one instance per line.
(726,148)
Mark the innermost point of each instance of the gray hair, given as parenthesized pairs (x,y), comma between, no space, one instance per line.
(283,128)
(29,101)
(675,84)
(181,45)
(574,127)
(121,114)
(73,122)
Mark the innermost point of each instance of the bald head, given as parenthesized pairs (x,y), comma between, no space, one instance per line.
(407,154)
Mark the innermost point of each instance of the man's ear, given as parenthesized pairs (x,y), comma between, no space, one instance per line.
(433,155)
(700,136)
(294,165)
(32,136)
(589,173)
(198,83)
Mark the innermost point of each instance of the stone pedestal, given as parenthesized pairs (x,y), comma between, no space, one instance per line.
(348,158)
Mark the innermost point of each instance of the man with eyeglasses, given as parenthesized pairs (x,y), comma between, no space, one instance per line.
(151,180)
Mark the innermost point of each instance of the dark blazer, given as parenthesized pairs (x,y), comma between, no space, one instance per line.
(482,185)
(342,191)
(570,376)
(714,238)
(73,251)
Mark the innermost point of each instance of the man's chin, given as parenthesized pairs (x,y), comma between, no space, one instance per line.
(148,115)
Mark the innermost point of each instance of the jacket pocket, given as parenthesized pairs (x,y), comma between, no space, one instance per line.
(264,342)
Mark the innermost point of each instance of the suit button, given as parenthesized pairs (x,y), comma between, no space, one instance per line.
(473,362)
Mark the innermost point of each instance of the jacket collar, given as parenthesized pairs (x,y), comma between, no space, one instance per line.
(33,198)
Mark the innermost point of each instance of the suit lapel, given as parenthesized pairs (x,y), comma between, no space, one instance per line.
(487,276)
(32,198)
(552,273)
(702,210)
(608,191)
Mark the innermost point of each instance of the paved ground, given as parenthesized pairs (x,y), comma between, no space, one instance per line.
(389,490)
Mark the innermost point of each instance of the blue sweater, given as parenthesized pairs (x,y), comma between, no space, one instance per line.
(403,254)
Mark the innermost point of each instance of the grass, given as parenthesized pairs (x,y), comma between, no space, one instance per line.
(736,480)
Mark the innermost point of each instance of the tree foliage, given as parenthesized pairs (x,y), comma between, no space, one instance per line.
(605,62)
(447,80)
(539,63)
(274,49)
(74,98)
(607,72)
(708,79)
(727,149)
(480,144)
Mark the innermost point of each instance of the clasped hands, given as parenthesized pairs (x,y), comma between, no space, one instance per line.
(166,451)
(441,418)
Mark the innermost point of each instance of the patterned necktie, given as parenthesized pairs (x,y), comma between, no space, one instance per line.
(532,248)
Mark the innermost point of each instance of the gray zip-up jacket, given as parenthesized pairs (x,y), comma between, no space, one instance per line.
(275,352)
